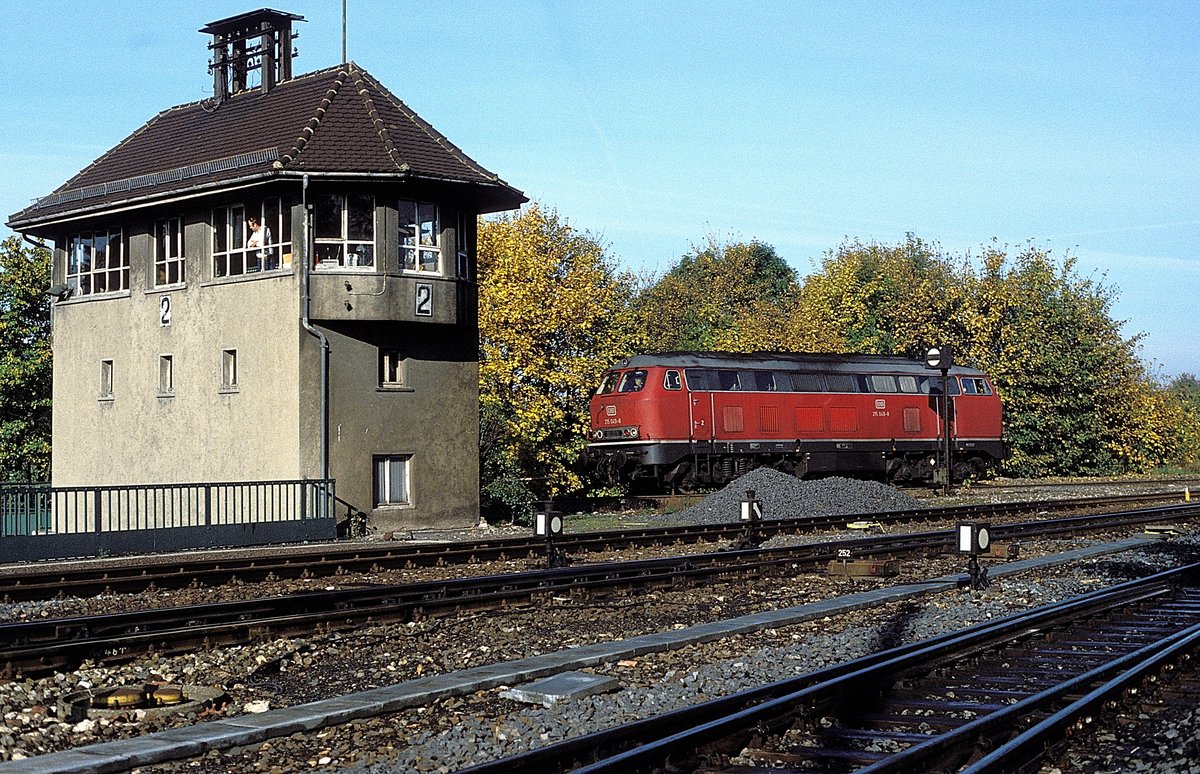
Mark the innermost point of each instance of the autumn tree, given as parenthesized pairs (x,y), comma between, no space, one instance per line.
(720,297)
(25,366)
(882,299)
(553,314)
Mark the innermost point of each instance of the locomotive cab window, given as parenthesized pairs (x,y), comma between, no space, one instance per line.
(701,378)
(672,381)
(976,387)
(933,385)
(764,381)
(633,381)
(608,383)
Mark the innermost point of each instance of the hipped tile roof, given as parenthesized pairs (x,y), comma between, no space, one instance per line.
(338,120)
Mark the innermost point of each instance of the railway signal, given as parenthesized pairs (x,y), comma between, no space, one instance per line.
(941,358)
(975,539)
(750,515)
(548,523)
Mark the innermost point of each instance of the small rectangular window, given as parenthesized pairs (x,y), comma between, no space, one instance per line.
(229,369)
(392,368)
(168,252)
(106,378)
(672,381)
(391,480)
(907,383)
(166,375)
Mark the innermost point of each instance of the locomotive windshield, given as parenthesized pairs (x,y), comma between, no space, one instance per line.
(608,383)
(633,381)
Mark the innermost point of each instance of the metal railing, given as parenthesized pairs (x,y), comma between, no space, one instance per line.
(44,522)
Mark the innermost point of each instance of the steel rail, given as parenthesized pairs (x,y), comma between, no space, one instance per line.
(36,582)
(651,744)
(39,646)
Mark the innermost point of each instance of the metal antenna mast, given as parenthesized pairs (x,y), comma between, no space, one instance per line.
(345,58)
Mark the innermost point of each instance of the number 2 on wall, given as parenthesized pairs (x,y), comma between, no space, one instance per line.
(164,311)
(424,299)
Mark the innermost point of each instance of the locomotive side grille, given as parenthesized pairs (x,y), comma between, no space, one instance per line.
(768,419)
(732,417)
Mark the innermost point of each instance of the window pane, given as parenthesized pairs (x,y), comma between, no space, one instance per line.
(329,253)
(881,383)
(361,221)
(427,215)
(270,222)
(220,230)
(671,380)
(237,219)
(908,383)
(808,383)
(727,380)
(361,255)
(408,223)
(842,383)
(397,481)
(764,381)
(327,217)
(633,381)
(100,257)
(429,260)
(700,378)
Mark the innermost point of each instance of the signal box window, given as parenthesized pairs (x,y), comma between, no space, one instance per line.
(229,370)
(419,232)
(97,262)
(391,481)
(633,381)
(168,252)
(106,380)
(344,231)
(672,380)
(393,369)
(251,237)
(166,375)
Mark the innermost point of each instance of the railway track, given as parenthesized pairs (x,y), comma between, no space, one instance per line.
(20,583)
(41,647)
(994,697)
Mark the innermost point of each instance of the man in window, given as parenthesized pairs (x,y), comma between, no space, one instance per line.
(260,237)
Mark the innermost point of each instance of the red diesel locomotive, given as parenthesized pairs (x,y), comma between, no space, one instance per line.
(683,419)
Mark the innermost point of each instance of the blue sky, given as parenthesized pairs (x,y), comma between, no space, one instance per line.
(653,125)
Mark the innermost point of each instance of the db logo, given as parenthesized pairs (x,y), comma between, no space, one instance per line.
(881,403)
(610,411)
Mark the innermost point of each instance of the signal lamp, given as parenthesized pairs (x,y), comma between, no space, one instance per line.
(974,538)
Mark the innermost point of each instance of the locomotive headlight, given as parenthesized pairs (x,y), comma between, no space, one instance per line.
(633,432)
(598,434)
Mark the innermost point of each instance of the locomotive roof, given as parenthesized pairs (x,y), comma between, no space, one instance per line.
(788,361)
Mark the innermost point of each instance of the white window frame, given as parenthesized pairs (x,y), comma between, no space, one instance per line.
(166,375)
(383,477)
(462,244)
(393,369)
(229,370)
(416,249)
(107,378)
(168,252)
(81,251)
(238,258)
(334,253)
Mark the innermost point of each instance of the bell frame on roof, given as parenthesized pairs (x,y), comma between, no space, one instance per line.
(258,40)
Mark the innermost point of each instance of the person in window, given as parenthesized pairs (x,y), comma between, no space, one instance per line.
(259,237)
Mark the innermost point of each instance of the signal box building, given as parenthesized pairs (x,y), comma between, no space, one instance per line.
(274,283)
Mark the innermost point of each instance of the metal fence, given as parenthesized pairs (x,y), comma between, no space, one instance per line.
(43,522)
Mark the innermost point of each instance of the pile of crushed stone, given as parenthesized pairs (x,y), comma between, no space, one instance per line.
(785,497)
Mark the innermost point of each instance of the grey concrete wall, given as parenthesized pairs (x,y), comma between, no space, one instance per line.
(435,418)
(200,433)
